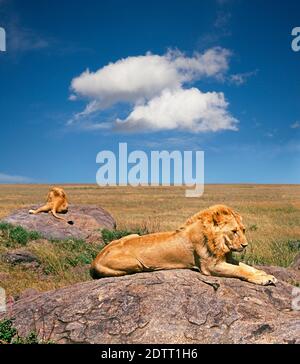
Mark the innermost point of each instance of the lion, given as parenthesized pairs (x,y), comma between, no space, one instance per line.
(56,203)
(205,242)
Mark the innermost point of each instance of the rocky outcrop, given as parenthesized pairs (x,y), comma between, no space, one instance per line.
(87,222)
(20,256)
(175,306)
(296,263)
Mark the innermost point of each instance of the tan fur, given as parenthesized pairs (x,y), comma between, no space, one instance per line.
(56,203)
(205,242)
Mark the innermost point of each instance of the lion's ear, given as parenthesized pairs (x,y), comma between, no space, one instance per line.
(211,218)
(217,215)
(217,218)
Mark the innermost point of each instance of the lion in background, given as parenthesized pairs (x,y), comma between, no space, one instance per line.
(56,203)
(205,242)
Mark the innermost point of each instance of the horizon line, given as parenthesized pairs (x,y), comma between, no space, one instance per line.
(147,185)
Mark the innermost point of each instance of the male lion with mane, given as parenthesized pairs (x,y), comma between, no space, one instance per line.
(56,203)
(205,242)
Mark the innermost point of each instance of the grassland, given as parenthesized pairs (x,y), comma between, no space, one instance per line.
(271,214)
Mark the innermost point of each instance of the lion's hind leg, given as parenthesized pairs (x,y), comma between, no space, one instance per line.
(101,271)
(45,208)
(115,264)
(125,238)
(128,237)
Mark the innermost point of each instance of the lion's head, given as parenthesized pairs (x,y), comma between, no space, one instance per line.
(229,228)
(57,195)
(224,228)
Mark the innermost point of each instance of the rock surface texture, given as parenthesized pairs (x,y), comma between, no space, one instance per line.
(19,256)
(296,264)
(175,306)
(87,222)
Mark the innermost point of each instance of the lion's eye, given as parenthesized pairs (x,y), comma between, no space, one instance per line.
(235,231)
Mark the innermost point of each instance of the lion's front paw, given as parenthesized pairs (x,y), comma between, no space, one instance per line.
(264,279)
(31,211)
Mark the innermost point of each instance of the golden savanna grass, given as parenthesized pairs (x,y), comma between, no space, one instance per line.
(270,212)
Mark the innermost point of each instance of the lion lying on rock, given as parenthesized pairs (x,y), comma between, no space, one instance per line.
(56,203)
(205,242)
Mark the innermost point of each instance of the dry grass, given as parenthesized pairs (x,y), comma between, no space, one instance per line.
(271,213)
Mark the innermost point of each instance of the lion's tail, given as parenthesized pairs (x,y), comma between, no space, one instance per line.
(70,222)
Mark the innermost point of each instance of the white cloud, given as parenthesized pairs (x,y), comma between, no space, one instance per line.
(134,79)
(269,135)
(296,125)
(222,20)
(155,88)
(220,29)
(241,78)
(7,178)
(188,109)
(21,39)
(212,63)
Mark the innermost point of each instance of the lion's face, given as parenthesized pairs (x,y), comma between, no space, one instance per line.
(234,235)
(229,228)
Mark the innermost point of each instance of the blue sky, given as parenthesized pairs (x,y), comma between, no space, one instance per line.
(46,137)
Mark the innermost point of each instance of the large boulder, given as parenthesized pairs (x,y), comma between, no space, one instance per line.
(175,306)
(88,220)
